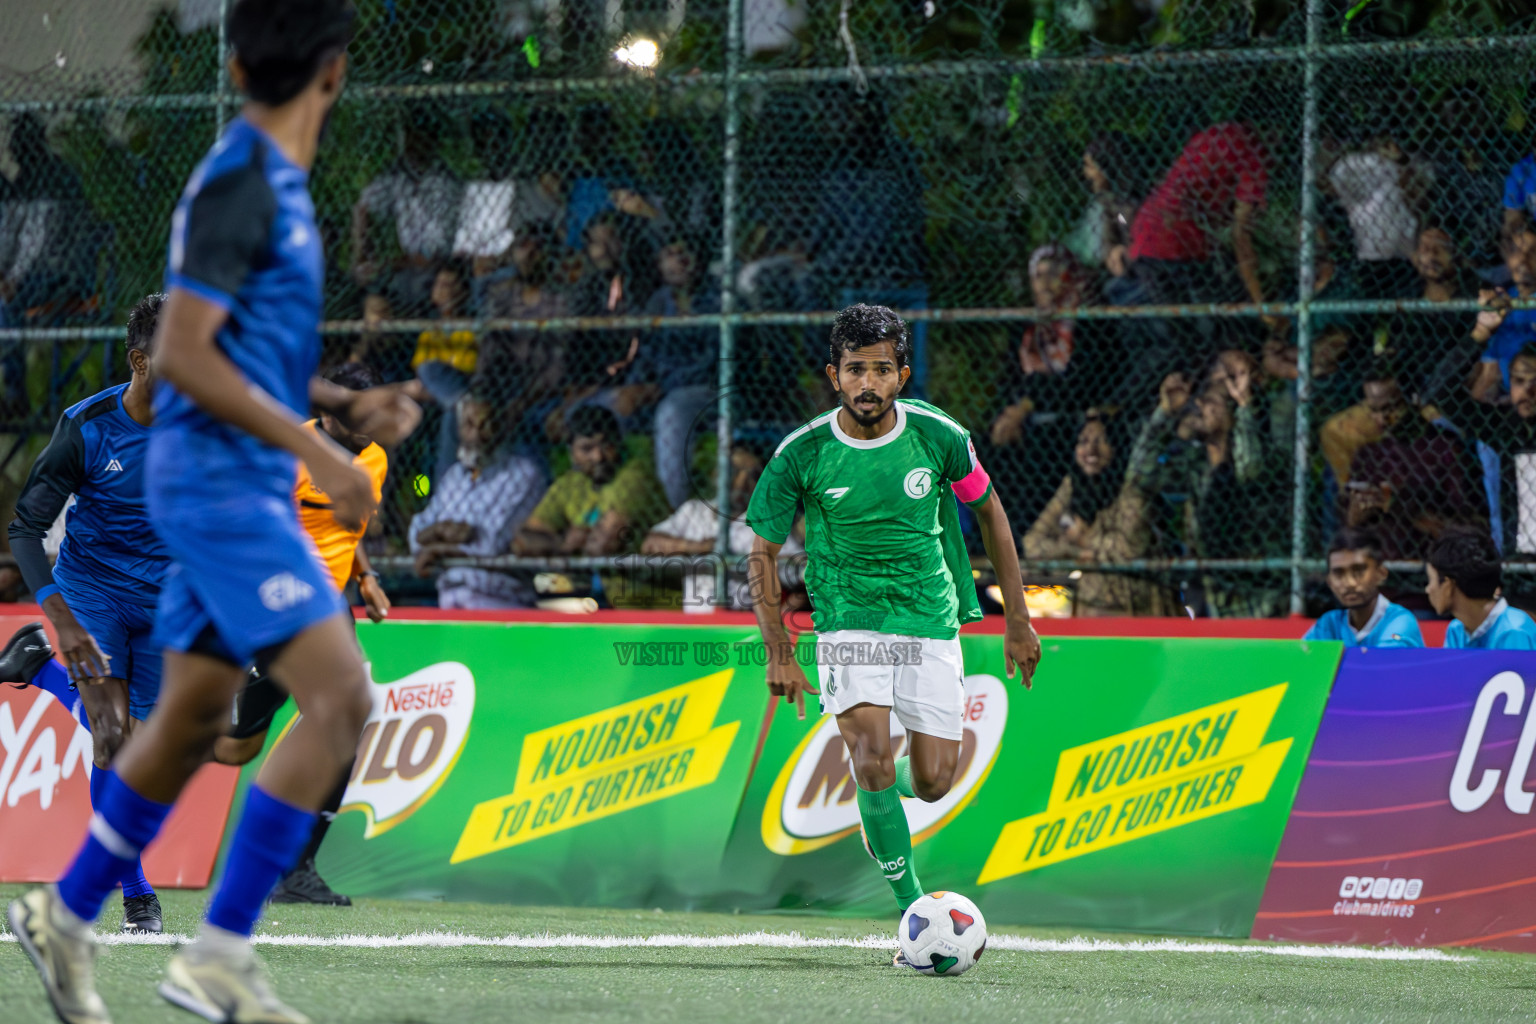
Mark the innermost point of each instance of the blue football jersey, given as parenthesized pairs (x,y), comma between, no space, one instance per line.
(97,454)
(1390,625)
(1505,629)
(243,237)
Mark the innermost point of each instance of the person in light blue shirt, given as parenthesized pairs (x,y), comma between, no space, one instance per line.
(1364,617)
(1464,582)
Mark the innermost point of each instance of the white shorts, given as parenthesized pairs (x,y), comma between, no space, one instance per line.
(921,679)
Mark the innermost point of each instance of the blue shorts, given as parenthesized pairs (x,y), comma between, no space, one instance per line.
(125,633)
(244,577)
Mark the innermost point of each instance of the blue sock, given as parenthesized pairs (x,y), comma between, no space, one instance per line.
(55,679)
(124,823)
(134,882)
(267,844)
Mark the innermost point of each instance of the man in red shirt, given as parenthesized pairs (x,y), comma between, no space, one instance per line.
(1219,180)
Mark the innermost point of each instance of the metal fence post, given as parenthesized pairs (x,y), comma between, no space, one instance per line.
(1306,279)
(223,68)
(727,300)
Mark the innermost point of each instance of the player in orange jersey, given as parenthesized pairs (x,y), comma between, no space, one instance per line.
(341,549)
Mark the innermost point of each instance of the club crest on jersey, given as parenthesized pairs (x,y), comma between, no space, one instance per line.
(918,482)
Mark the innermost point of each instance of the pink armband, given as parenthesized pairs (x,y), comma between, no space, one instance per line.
(973,486)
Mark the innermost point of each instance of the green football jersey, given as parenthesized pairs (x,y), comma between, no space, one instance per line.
(882,531)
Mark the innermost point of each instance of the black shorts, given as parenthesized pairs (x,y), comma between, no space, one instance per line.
(260,700)
(256,706)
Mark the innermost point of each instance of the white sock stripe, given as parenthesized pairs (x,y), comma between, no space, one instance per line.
(109,837)
(792,940)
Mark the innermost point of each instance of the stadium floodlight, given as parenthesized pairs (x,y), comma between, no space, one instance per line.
(640,53)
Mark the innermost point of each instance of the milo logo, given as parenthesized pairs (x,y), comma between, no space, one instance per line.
(410,744)
(814,802)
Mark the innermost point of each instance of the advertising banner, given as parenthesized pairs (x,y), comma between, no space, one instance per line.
(1413,823)
(1142,784)
(547,763)
(45,799)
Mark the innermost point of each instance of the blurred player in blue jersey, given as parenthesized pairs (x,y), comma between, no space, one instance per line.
(1364,617)
(236,355)
(1465,582)
(101,595)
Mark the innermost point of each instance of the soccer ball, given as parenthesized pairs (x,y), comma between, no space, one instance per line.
(943,933)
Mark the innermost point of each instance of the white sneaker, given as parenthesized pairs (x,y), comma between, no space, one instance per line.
(65,959)
(226,988)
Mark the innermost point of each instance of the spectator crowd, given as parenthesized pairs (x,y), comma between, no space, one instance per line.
(1112,440)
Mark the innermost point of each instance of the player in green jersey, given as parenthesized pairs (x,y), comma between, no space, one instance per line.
(878,478)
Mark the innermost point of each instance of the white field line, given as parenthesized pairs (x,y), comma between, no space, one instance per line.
(784,940)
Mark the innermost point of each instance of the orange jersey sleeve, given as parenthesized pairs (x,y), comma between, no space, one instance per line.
(337,544)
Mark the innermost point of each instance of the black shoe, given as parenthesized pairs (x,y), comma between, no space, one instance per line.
(25,653)
(141,915)
(304,885)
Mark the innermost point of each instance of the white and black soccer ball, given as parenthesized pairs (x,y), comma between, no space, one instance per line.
(943,933)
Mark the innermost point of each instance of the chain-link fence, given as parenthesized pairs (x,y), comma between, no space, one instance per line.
(605,241)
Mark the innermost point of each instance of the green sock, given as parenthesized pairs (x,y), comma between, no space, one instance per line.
(904,777)
(885,826)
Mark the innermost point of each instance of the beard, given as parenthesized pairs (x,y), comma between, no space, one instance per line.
(865,419)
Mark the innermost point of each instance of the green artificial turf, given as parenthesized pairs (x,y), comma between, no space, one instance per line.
(746,985)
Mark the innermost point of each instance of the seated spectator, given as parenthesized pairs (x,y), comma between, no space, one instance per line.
(1114,173)
(1097,515)
(1507,331)
(422,198)
(681,186)
(1423,347)
(602,505)
(1339,350)
(599,174)
(528,287)
(531,363)
(1419,343)
(694,527)
(1505,437)
(1364,618)
(477,508)
(1058,360)
(1465,580)
(1209,449)
(1062,367)
(1380,188)
(485,231)
(680,366)
(1414,482)
(620,276)
(457,348)
(522,187)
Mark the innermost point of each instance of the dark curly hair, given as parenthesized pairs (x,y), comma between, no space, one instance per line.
(1352,538)
(861,326)
(142,320)
(353,376)
(1468,558)
(282,44)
